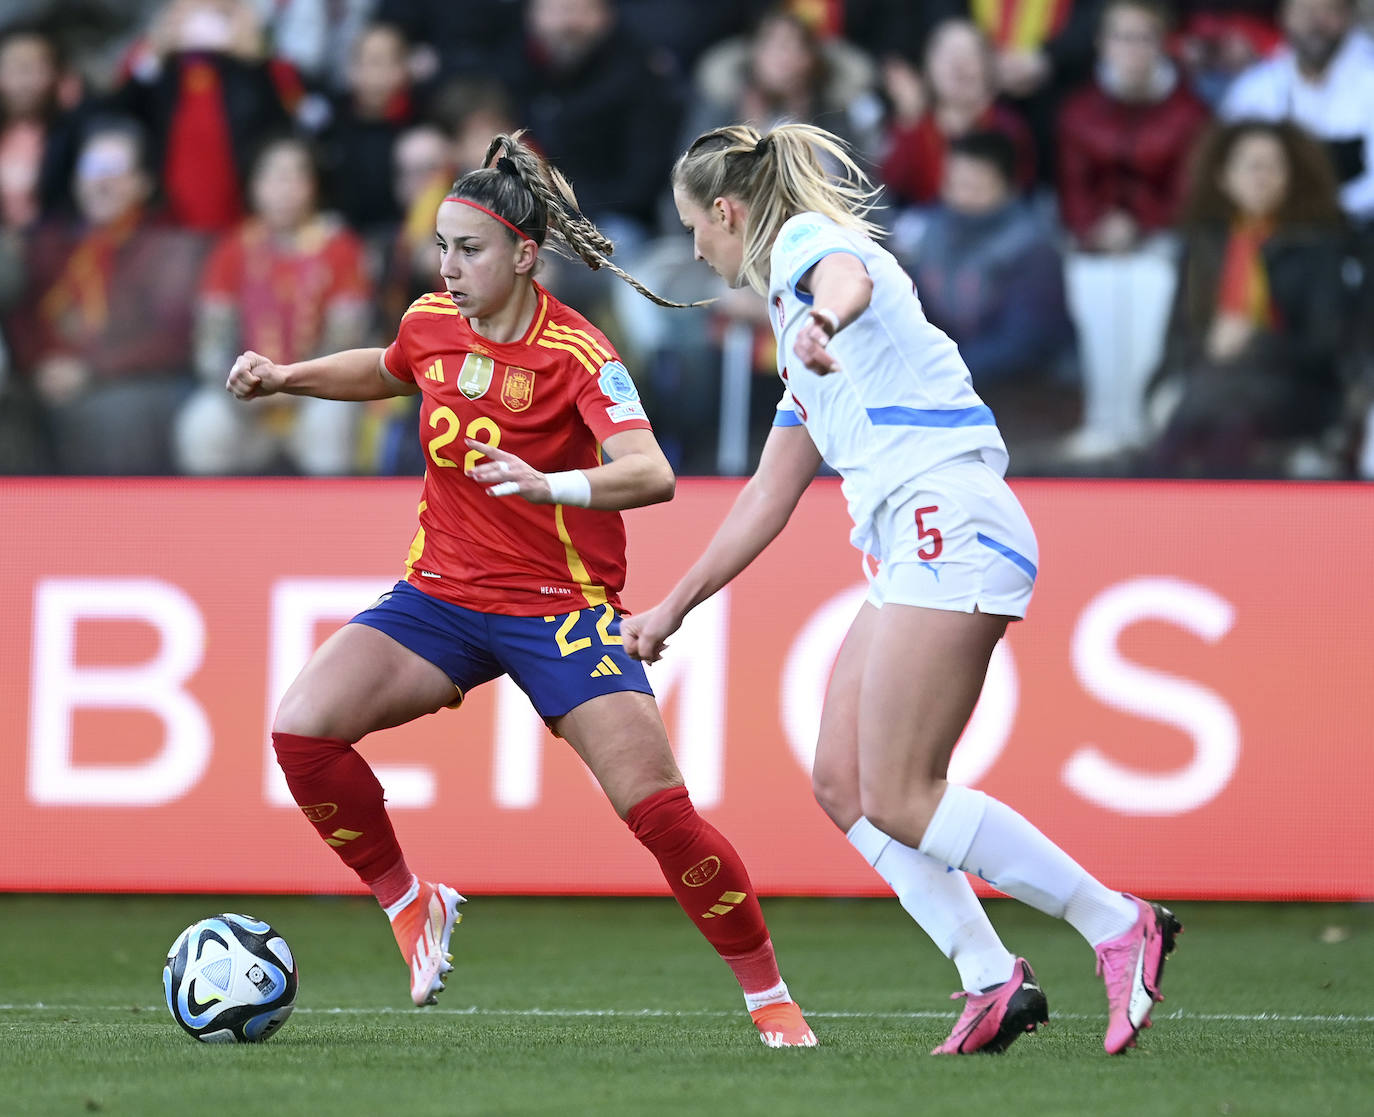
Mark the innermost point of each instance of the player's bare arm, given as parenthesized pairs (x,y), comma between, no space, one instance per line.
(841,289)
(354,374)
(788,463)
(636,474)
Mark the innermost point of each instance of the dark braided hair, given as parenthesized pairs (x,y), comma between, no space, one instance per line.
(519,185)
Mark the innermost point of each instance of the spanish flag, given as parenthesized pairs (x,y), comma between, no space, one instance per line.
(1020,24)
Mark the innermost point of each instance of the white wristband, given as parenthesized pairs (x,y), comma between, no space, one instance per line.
(826,317)
(570,487)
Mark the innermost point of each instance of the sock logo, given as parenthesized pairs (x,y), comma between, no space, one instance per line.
(703,872)
(342,837)
(320,811)
(725,905)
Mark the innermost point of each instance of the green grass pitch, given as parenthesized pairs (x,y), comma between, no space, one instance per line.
(609,1007)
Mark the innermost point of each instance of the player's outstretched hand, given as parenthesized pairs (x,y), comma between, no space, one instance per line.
(254,376)
(645,634)
(810,348)
(506,475)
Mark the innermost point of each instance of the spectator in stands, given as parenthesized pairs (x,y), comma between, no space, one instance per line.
(461,40)
(1124,138)
(288,281)
(1323,80)
(316,37)
(1257,327)
(1216,40)
(599,112)
(104,335)
(958,96)
(30,75)
(357,144)
(206,89)
(989,274)
(784,71)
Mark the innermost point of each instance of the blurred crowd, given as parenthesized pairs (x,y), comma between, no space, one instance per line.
(1149,227)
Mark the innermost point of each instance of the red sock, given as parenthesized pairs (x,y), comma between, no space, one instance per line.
(337,791)
(710,882)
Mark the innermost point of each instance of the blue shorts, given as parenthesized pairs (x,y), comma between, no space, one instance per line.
(559,662)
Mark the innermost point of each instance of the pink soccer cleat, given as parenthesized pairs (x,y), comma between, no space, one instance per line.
(993,1020)
(1131,966)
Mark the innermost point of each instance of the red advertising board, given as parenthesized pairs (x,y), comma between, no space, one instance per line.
(1186,709)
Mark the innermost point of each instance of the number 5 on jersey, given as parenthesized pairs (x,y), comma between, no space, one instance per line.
(936,544)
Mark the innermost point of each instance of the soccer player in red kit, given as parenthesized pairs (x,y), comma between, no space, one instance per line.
(516,569)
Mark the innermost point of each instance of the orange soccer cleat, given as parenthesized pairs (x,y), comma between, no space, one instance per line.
(782,1025)
(422,928)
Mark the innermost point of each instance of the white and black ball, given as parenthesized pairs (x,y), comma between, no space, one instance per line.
(230,979)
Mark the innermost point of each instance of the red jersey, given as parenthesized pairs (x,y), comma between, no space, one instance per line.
(551,399)
(283,293)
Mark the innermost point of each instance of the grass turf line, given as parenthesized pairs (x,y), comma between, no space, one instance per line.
(875,985)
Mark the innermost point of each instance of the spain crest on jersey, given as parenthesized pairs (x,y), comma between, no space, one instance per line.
(474,378)
(517,389)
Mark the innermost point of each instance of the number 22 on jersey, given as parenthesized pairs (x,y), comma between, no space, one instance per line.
(481,428)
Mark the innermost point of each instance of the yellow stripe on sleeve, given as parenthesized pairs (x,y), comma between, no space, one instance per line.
(548,343)
(594,348)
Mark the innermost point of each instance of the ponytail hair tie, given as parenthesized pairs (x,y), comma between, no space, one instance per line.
(507,166)
(764,146)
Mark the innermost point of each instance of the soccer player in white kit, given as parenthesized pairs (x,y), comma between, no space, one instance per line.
(884,398)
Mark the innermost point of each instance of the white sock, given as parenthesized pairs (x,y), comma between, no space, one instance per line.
(774,996)
(974,832)
(1097,913)
(393,910)
(942,903)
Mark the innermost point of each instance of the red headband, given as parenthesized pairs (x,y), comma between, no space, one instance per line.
(464,202)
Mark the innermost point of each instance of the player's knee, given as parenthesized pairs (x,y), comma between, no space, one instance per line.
(301,716)
(838,797)
(900,813)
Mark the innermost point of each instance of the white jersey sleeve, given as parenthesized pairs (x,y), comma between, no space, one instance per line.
(801,245)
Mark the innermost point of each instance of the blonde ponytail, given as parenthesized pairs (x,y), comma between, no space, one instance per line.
(776,175)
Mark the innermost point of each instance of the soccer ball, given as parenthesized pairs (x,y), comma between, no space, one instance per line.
(230,979)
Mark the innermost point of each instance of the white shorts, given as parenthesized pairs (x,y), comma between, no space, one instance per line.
(959,540)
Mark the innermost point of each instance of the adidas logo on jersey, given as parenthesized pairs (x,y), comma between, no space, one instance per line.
(606,667)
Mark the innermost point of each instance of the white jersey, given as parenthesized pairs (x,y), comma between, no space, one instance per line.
(903,402)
